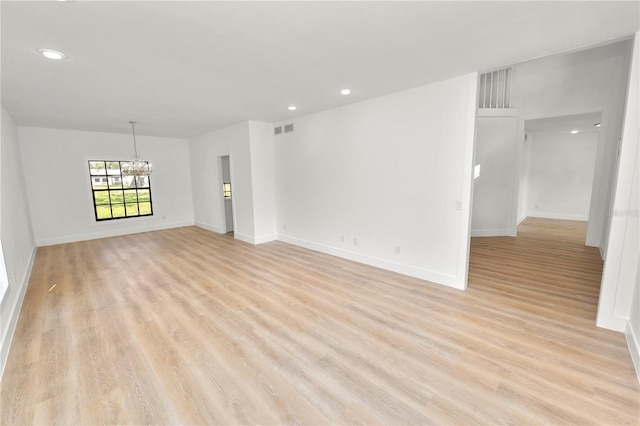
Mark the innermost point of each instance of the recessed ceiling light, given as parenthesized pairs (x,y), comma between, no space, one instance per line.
(292,108)
(597,125)
(345,92)
(52,54)
(573,132)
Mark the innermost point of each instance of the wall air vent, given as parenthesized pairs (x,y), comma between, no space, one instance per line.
(288,128)
(494,89)
(277,130)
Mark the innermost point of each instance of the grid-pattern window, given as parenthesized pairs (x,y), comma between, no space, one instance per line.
(116,196)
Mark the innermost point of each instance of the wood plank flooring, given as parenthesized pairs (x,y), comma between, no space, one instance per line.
(185,326)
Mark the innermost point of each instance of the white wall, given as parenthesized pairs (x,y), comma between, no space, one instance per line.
(16,235)
(494,190)
(378,181)
(619,275)
(586,81)
(263,179)
(560,175)
(57,178)
(632,331)
(249,146)
(206,176)
(523,176)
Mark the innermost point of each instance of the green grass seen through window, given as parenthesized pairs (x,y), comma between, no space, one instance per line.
(116,196)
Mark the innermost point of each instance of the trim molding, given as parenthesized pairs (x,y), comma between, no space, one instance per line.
(208,227)
(491,233)
(111,233)
(601,250)
(560,216)
(7,336)
(634,347)
(244,237)
(401,268)
(264,238)
(611,322)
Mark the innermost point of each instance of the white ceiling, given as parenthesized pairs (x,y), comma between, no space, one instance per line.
(563,124)
(184,68)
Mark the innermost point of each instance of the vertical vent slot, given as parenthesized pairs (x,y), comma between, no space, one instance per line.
(277,130)
(288,128)
(494,90)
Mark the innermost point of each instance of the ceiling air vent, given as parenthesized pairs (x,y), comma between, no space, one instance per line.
(494,90)
(288,128)
(277,130)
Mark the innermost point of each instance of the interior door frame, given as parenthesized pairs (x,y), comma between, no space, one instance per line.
(220,192)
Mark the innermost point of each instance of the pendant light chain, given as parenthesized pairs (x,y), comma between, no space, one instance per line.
(133,130)
(137,167)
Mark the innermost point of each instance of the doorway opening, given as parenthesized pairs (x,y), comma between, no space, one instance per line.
(557,167)
(226,194)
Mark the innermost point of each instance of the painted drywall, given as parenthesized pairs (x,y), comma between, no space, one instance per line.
(523,174)
(632,331)
(560,171)
(263,180)
(380,181)
(494,192)
(206,175)
(586,81)
(16,235)
(619,281)
(249,146)
(57,179)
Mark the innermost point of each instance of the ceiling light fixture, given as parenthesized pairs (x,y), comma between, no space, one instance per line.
(137,166)
(292,108)
(573,132)
(345,92)
(52,54)
(597,125)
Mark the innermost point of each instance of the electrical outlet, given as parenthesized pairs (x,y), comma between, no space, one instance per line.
(355,241)
(458,205)
(397,249)
(284,226)
(342,238)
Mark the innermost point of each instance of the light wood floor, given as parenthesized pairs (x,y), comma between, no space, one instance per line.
(187,326)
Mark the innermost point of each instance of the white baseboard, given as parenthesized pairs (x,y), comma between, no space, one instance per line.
(111,233)
(491,233)
(559,216)
(610,322)
(633,342)
(409,270)
(264,238)
(208,227)
(244,237)
(10,327)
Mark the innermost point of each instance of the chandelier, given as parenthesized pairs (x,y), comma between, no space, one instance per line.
(137,166)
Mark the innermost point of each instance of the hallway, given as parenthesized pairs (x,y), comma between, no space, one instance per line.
(546,267)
